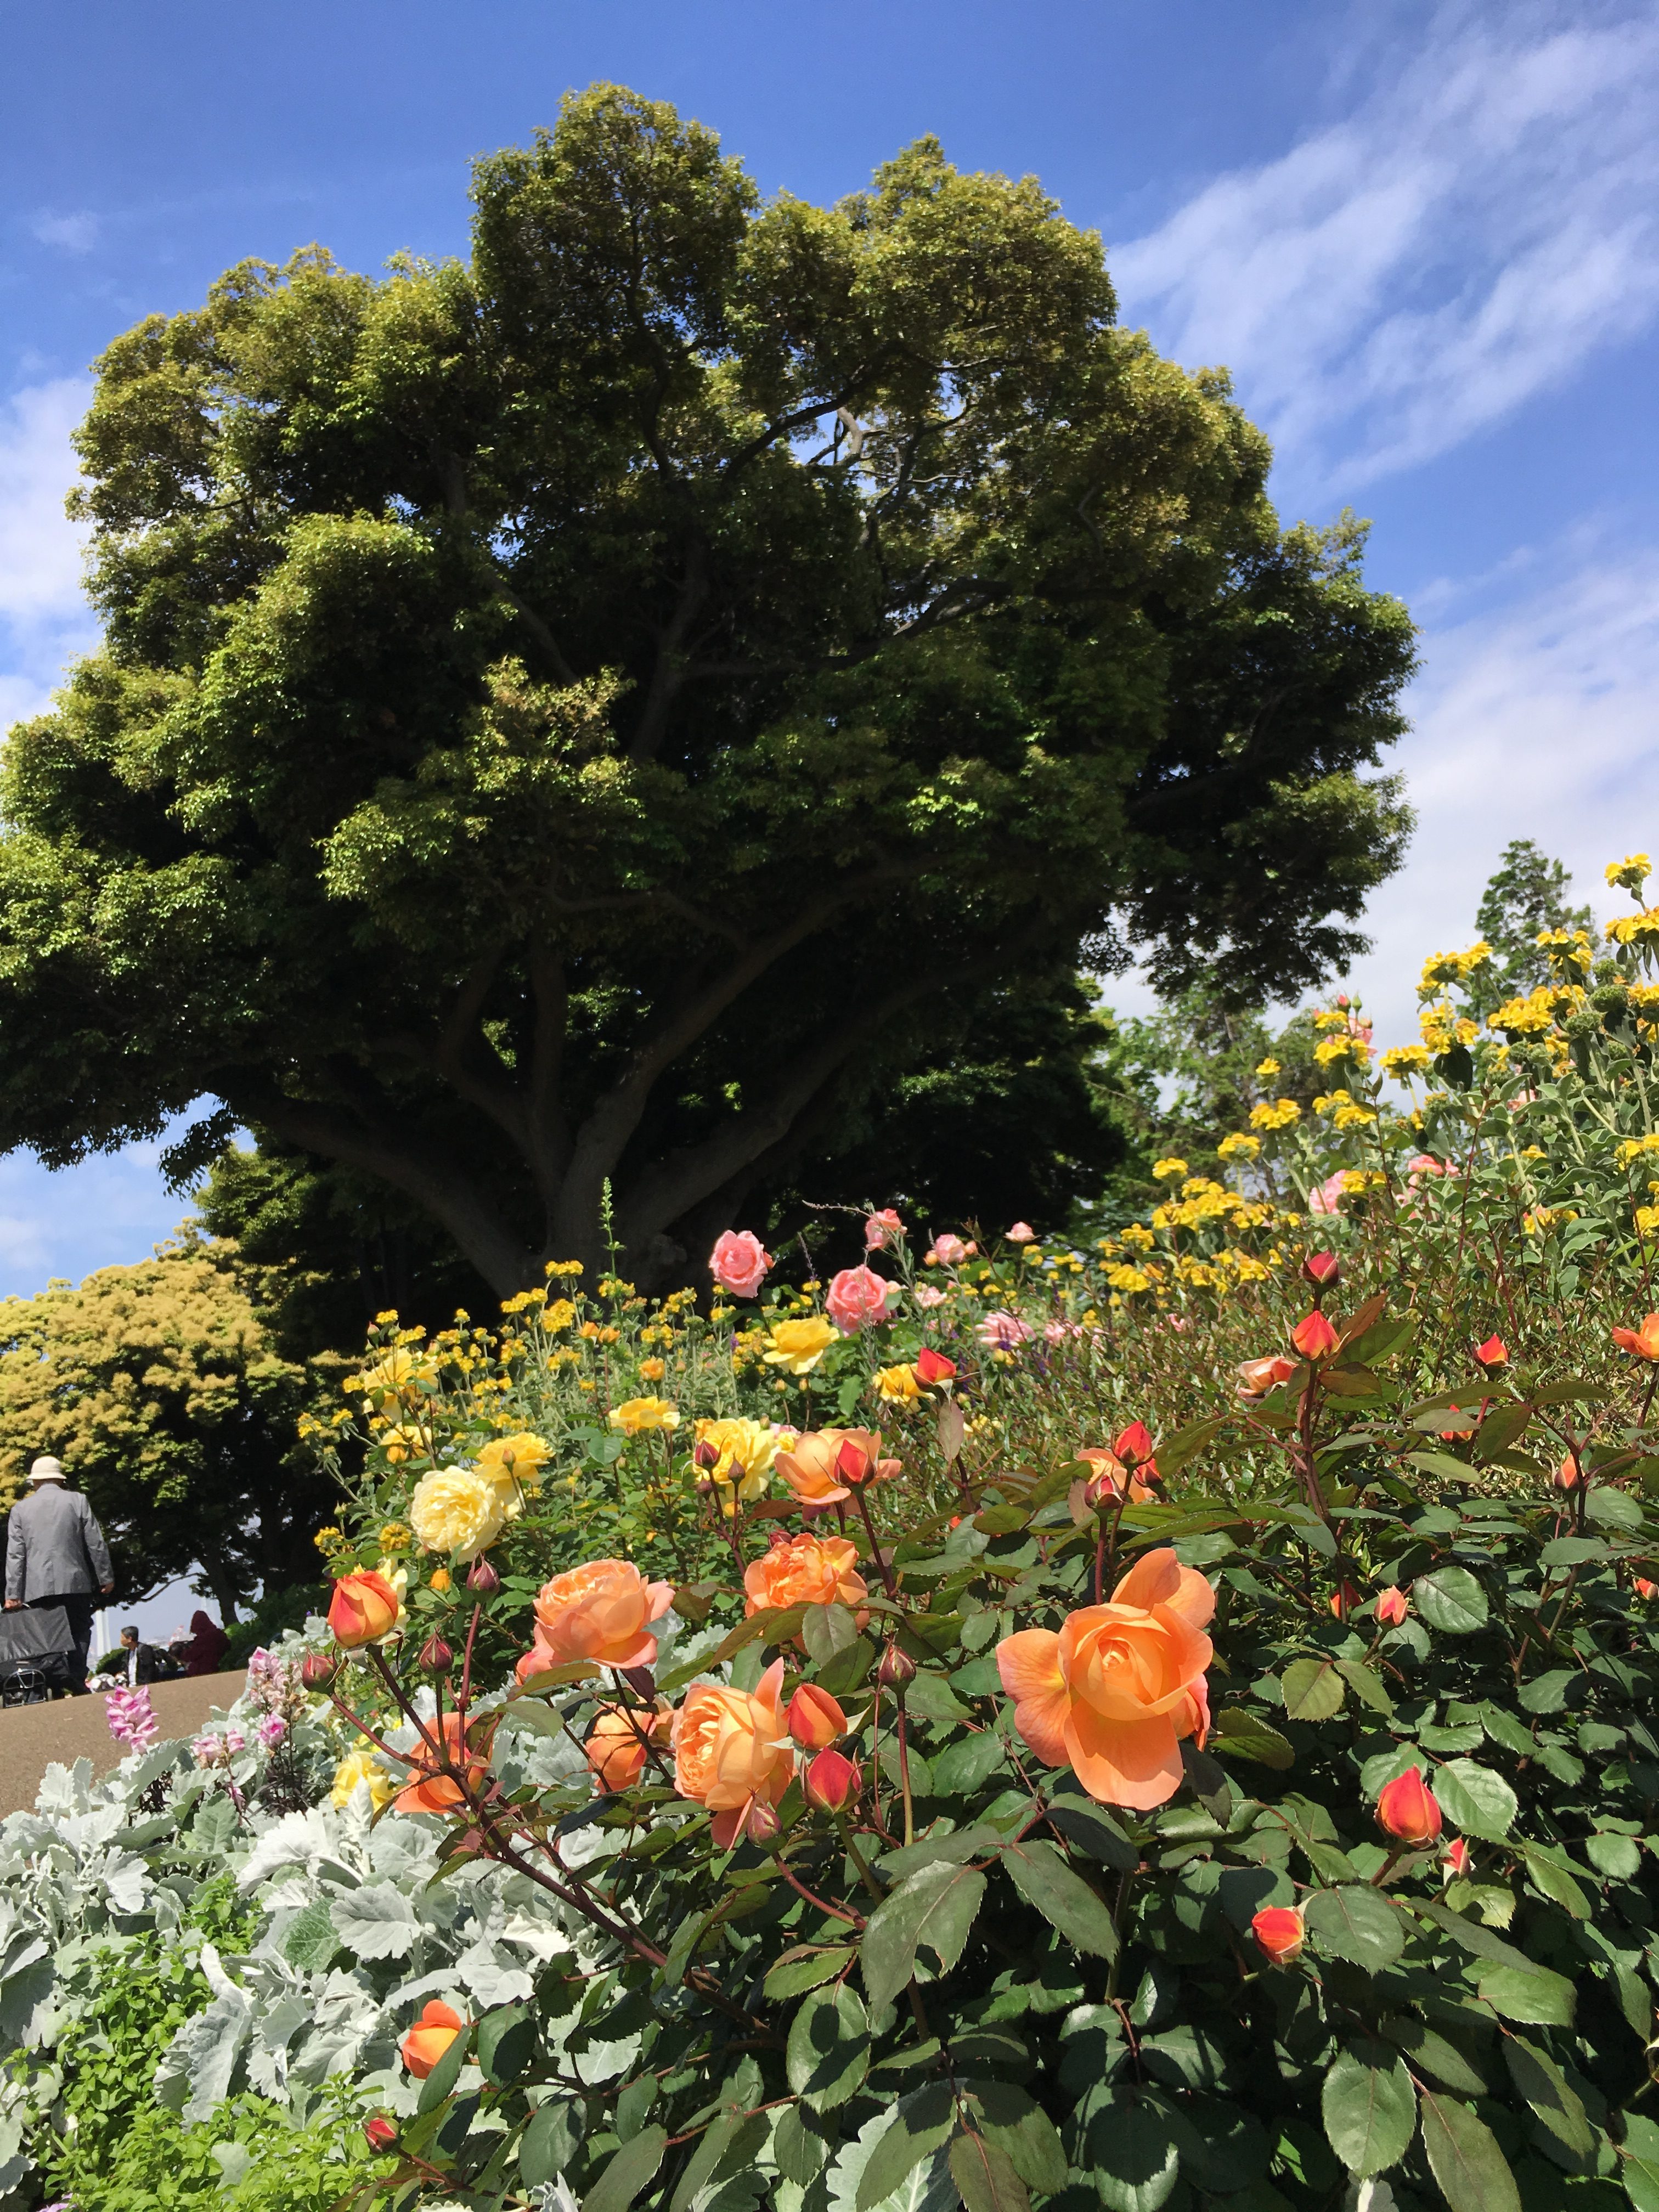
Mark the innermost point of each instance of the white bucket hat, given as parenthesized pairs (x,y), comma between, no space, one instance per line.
(45,1470)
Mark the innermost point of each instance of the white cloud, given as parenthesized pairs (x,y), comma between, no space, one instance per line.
(1487,218)
(75,234)
(40,547)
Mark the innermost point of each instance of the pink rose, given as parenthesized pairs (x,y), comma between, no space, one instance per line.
(739,1262)
(947,1252)
(924,1296)
(1328,1199)
(857,1297)
(1002,1332)
(1021,1233)
(882,1229)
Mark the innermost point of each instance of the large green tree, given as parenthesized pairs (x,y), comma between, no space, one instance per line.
(572,715)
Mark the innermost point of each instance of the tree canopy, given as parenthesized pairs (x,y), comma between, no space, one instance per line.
(577,715)
(156,1387)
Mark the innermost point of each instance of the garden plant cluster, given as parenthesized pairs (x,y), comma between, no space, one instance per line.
(1165,1723)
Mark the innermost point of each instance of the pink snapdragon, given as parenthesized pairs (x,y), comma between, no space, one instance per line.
(132,1717)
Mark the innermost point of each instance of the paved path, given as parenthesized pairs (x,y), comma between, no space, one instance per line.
(31,1736)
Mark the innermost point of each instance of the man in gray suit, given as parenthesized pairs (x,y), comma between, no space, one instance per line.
(56,1555)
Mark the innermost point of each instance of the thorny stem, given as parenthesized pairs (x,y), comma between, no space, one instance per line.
(903,1733)
(876,1550)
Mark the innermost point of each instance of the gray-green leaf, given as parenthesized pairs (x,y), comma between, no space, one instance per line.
(1064,1898)
(1369,2105)
(935,1906)
(1357,1923)
(1465,2159)
(1476,1800)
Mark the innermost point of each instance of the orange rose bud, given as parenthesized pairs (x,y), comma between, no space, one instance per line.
(1133,1445)
(1494,1352)
(934,1367)
(1407,1810)
(1457,1857)
(1343,1600)
(1323,1269)
(1569,1474)
(1644,1342)
(363,1609)
(1645,1590)
(1279,1930)
(852,1460)
(1391,1606)
(430,2037)
(815,1718)
(831,1781)
(379,2132)
(1257,1376)
(1314,1337)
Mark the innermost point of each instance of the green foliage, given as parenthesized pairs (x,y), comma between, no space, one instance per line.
(596,711)
(1526,896)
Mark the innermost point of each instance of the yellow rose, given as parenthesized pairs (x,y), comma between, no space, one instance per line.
(361,1766)
(514,1465)
(898,1385)
(741,1451)
(800,1345)
(457,1508)
(635,1415)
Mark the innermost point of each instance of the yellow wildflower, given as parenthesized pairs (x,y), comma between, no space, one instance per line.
(394,1537)
(1269,1068)
(1407,1060)
(652,1370)
(1138,1236)
(400,1374)
(1240,1145)
(1167,1170)
(1283,1113)
(1635,928)
(328,1539)
(1630,874)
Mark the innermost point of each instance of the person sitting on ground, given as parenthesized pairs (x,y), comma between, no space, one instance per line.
(55,1554)
(207,1645)
(135,1662)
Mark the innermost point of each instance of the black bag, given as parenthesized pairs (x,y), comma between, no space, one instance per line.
(37,1655)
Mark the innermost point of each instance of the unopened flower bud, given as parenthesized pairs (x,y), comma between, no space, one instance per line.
(1279,1931)
(1133,1445)
(1457,1857)
(380,2132)
(483,1581)
(831,1781)
(317,1670)
(1323,1269)
(1494,1352)
(896,1669)
(705,1455)
(1391,1606)
(815,1718)
(1406,1809)
(934,1367)
(762,1823)
(1314,1337)
(436,1657)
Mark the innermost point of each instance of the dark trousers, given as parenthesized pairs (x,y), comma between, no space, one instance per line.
(80,1606)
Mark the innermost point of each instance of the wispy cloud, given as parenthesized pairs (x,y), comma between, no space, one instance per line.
(75,234)
(44,616)
(1480,224)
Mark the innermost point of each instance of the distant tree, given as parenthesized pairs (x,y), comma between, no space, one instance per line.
(1526,894)
(545,699)
(157,1388)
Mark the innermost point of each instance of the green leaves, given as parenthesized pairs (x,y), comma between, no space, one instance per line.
(1357,1923)
(632,2169)
(1476,1800)
(1130,2148)
(1240,1735)
(1536,1994)
(1369,2105)
(1043,1879)
(1314,1690)
(1564,2130)
(1464,2158)
(1450,1600)
(828,2049)
(921,2123)
(935,1906)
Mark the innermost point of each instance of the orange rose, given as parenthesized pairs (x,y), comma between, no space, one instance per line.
(826,1465)
(1112,1694)
(1644,1342)
(732,1753)
(601,1611)
(617,1743)
(363,1609)
(804,1571)
(430,1790)
(430,2037)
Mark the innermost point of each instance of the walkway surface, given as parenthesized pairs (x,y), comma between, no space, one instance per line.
(31,1736)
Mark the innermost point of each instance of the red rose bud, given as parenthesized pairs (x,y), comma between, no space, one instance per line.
(933,1366)
(1407,1810)
(436,1657)
(1314,1337)
(1323,1269)
(896,1669)
(852,1462)
(1391,1607)
(483,1581)
(1344,1599)
(379,2132)
(317,1670)
(831,1781)
(1494,1352)
(705,1455)
(1457,1857)
(1133,1445)
(815,1719)
(1279,1931)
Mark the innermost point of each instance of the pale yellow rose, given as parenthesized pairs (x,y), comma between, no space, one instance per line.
(458,1510)
(800,1345)
(635,1415)
(361,1766)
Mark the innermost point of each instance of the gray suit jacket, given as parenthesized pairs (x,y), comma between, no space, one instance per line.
(53,1546)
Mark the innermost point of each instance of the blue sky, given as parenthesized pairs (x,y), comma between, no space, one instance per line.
(1424,238)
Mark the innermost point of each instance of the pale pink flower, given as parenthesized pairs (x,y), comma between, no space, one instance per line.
(948,1252)
(882,1229)
(1327,1198)
(925,1295)
(1002,1332)
(858,1296)
(272,1728)
(132,1718)
(1021,1233)
(739,1262)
